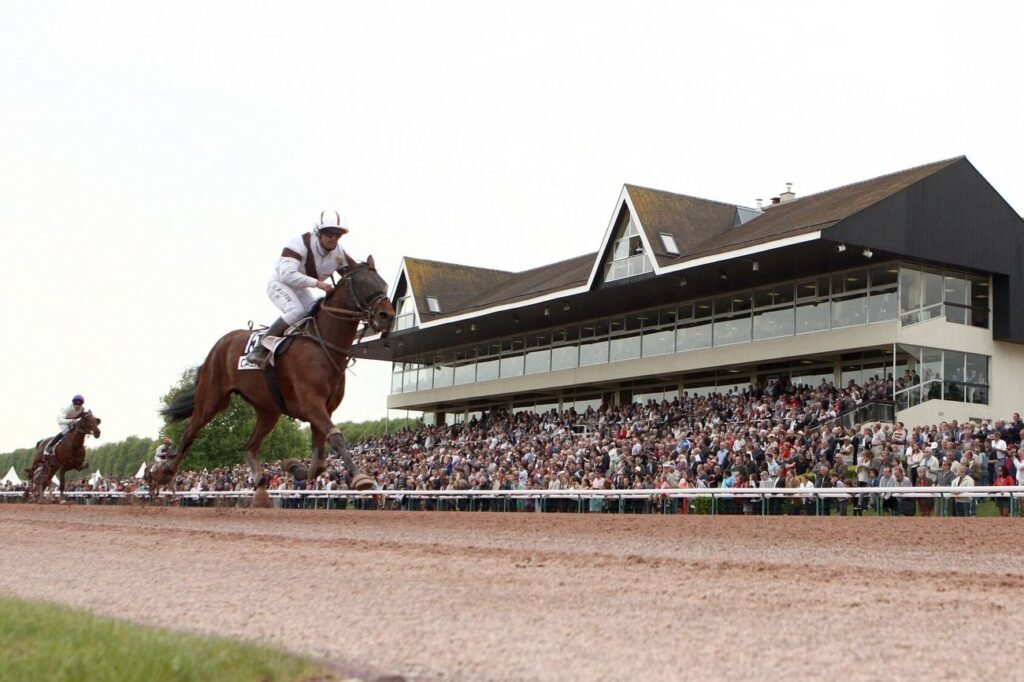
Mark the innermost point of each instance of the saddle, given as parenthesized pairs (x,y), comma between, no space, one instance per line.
(277,345)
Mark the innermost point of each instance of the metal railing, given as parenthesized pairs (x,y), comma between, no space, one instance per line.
(759,501)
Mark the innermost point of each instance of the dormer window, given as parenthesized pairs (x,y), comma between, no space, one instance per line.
(433,305)
(405,313)
(628,258)
(668,242)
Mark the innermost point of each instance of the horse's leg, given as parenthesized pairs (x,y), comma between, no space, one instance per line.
(360,481)
(60,477)
(207,406)
(317,459)
(265,422)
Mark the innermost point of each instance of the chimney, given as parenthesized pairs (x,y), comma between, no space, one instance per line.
(776,201)
(788,195)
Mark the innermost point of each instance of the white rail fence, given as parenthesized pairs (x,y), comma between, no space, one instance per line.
(669,500)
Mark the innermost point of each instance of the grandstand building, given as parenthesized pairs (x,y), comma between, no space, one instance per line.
(917,275)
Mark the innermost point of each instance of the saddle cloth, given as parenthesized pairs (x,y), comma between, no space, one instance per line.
(277,345)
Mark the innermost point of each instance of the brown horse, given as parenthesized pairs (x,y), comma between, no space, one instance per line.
(160,475)
(67,456)
(310,376)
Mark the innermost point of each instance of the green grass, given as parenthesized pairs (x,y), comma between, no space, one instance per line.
(46,642)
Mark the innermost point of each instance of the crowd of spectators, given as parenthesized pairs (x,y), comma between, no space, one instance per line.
(768,436)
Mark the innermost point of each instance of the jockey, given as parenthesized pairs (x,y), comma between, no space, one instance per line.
(305,263)
(66,419)
(164,452)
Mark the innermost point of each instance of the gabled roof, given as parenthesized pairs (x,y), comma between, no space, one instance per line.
(452,284)
(813,212)
(461,288)
(535,283)
(702,229)
(690,221)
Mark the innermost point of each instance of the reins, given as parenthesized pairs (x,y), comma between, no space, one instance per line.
(363,313)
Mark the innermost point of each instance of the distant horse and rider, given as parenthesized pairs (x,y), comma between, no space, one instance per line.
(304,377)
(60,454)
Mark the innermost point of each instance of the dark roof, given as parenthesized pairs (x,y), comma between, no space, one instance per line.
(452,284)
(814,211)
(461,288)
(690,221)
(700,227)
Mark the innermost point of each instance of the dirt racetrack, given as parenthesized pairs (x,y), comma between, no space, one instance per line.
(475,596)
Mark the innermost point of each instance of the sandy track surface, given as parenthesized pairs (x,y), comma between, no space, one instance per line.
(474,596)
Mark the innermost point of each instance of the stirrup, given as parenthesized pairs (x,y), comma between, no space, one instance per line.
(258,356)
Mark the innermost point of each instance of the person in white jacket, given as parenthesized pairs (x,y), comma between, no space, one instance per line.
(305,263)
(66,419)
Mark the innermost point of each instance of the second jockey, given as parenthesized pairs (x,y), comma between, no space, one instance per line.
(66,419)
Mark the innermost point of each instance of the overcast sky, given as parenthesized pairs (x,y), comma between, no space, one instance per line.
(157,156)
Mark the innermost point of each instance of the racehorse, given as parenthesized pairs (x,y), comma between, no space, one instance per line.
(68,455)
(310,376)
(159,475)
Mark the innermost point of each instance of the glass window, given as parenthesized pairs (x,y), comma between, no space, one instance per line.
(910,289)
(731,330)
(538,361)
(425,379)
(658,343)
(396,382)
(433,305)
(882,306)
(849,310)
(932,287)
(693,335)
(593,352)
(855,280)
(953,374)
(564,357)
(465,373)
(978,296)
(884,277)
(512,366)
(669,243)
(812,316)
(444,375)
(769,324)
(976,371)
(812,288)
(931,373)
(624,348)
(409,384)
(487,369)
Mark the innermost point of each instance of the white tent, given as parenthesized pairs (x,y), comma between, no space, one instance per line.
(142,471)
(96,476)
(11,477)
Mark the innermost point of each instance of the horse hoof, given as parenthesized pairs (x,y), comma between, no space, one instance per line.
(261,499)
(362,482)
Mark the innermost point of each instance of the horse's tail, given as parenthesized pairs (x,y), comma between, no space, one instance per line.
(181,406)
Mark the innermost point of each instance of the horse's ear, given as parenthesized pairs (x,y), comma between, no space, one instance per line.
(369,261)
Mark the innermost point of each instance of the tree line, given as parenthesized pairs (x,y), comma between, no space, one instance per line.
(220,444)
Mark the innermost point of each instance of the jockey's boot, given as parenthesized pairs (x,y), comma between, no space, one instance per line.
(259,355)
(52,445)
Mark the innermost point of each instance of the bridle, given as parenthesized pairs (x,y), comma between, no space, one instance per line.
(89,428)
(364,311)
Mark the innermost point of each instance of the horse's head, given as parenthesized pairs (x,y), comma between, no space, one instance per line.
(89,423)
(365,292)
